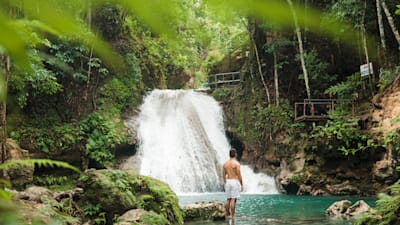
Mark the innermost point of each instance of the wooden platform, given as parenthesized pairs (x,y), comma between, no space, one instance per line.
(313,110)
(223,79)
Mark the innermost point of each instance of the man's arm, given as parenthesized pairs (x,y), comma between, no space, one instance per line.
(240,177)
(224,174)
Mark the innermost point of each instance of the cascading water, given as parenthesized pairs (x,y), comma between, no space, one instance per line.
(182,142)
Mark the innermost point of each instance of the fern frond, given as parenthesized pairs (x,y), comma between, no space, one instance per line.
(40,163)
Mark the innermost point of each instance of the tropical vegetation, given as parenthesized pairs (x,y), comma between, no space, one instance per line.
(72,70)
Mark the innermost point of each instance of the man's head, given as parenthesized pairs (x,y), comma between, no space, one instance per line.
(232,153)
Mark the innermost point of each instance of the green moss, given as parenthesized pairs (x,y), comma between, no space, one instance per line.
(118,191)
(299,178)
(166,197)
(154,218)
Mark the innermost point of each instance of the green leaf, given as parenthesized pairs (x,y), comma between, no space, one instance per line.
(40,163)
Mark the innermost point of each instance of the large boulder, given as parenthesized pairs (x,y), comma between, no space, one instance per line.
(344,209)
(38,205)
(358,208)
(35,194)
(214,210)
(117,192)
(19,175)
(338,208)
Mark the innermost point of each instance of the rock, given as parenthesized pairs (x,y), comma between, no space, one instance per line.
(119,191)
(383,169)
(338,208)
(344,188)
(319,192)
(304,190)
(38,204)
(15,151)
(141,216)
(359,208)
(35,194)
(19,175)
(214,210)
(344,209)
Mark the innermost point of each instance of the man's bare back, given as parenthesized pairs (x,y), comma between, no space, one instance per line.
(231,170)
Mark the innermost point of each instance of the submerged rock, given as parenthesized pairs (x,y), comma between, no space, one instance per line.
(338,208)
(214,210)
(359,208)
(344,209)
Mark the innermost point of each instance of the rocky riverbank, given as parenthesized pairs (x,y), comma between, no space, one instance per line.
(101,197)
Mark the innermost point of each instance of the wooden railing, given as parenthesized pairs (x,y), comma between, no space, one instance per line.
(221,79)
(317,109)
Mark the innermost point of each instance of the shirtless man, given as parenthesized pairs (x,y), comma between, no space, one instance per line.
(233,183)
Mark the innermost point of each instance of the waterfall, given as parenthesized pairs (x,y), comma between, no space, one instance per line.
(182,142)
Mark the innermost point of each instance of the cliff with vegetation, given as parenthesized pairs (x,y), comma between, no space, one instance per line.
(354,151)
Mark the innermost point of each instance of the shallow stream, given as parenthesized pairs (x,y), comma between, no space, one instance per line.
(252,209)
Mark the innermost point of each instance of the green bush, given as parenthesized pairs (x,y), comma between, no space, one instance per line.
(222,94)
(347,89)
(345,134)
(101,136)
(387,76)
(124,89)
(50,139)
(265,122)
(97,134)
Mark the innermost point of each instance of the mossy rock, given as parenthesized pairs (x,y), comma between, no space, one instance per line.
(141,217)
(111,189)
(164,201)
(118,191)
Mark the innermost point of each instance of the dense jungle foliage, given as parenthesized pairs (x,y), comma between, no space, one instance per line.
(71,70)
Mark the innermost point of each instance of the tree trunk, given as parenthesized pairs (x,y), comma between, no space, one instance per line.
(301,49)
(259,65)
(380,25)
(364,40)
(391,22)
(5,66)
(276,81)
(261,73)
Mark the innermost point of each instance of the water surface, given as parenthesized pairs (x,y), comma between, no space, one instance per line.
(252,209)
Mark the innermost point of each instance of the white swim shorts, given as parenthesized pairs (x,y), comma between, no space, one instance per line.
(232,188)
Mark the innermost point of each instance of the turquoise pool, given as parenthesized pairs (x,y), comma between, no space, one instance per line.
(261,209)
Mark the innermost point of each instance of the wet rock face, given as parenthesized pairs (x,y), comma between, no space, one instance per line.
(214,210)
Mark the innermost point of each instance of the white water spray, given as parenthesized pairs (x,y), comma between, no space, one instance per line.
(182,142)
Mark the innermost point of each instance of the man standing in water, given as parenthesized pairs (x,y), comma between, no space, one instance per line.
(233,183)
